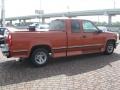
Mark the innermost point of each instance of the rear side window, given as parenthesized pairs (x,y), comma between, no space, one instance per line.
(57,25)
(75,26)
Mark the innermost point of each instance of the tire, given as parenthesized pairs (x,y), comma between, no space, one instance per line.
(109,48)
(39,57)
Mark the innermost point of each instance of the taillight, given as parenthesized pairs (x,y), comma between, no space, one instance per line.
(9,39)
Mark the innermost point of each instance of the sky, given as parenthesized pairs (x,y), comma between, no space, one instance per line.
(28,7)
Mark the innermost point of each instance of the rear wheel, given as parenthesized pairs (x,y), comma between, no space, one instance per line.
(39,57)
(109,48)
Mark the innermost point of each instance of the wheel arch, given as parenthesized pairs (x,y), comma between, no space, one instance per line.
(112,40)
(46,47)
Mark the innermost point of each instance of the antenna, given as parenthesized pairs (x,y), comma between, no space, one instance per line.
(2,13)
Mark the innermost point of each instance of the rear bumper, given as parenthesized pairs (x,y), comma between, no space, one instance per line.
(5,50)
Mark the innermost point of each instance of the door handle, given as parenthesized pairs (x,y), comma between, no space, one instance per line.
(84,36)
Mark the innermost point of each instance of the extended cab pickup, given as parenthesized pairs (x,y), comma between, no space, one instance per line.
(65,37)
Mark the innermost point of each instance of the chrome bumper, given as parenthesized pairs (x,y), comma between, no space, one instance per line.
(4,48)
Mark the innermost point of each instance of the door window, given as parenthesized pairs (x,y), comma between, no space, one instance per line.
(89,26)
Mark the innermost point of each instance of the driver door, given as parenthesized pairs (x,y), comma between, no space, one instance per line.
(93,40)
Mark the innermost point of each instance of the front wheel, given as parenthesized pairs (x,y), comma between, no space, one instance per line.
(39,57)
(109,48)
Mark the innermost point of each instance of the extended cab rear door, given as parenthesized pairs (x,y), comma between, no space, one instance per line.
(75,39)
(58,37)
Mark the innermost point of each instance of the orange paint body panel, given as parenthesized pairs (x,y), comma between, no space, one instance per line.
(61,42)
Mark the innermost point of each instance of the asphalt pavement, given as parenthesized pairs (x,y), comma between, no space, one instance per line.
(85,72)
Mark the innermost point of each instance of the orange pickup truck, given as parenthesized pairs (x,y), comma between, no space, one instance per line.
(64,37)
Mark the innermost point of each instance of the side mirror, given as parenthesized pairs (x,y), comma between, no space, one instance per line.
(99,31)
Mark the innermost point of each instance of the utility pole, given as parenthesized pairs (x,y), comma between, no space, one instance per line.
(40,4)
(41,12)
(40,9)
(114,4)
(68,11)
(2,13)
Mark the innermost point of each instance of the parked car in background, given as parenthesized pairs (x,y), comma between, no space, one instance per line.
(39,27)
(2,30)
(1,39)
(103,28)
(3,36)
(3,33)
(108,29)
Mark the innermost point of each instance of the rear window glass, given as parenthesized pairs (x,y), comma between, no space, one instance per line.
(57,25)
